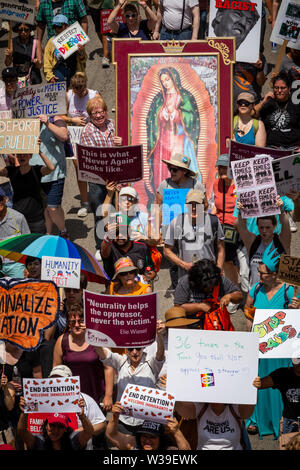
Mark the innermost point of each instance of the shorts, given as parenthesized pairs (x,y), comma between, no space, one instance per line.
(54,191)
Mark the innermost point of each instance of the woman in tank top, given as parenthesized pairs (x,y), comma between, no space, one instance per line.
(247,130)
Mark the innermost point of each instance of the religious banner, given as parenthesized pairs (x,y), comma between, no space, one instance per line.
(278,332)
(287,24)
(241,20)
(35,421)
(212,366)
(147,403)
(64,272)
(52,395)
(119,18)
(18,12)
(34,100)
(120,321)
(287,174)
(289,270)
(66,43)
(27,308)
(19,136)
(119,164)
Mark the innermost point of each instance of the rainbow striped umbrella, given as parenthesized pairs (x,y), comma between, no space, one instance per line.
(38,245)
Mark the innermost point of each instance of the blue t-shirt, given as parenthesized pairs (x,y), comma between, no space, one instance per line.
(143,32)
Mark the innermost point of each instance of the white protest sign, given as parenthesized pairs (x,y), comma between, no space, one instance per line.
(34,100)
(147,403)
(66,43)
(287,174)
(212,366)
(19,12)
(52,395)
(278,332)
(74,135)
(242,20)
(287,25)
(64,272)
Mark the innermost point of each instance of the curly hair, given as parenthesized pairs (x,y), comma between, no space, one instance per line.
(204,275)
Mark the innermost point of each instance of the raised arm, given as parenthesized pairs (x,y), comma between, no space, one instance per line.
(120,440)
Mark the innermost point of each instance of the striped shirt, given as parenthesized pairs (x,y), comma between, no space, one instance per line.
(91,136)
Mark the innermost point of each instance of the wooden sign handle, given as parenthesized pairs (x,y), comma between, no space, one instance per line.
(281,54)
(10,36)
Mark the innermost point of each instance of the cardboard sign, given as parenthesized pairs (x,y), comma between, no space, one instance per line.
(147,403)
(104,17)
(19,136)
(120,321)
(173,204)
(241,20)
(27,308)
(289,270)
(35,421)
(64,272)
(18,12)
(52,395)
(74,136)
(34,100)
(287,25)
(278,332)
(212,366)
(119,164)
(66,43)
(287,174)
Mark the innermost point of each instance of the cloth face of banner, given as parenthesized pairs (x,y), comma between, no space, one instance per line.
(287,25)
(147,403)
(64,272)
(289,270)
(120,321)
(52,395)
(17,12)
(104,17)
(119,164)
(74,135)
(27,308)
(35,421)
(34,100)
(287,174)
(66,43)
(19,136)
(278,332)
(242,20)
(212,366)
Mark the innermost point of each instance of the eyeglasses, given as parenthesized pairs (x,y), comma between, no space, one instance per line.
(127,198)
(130,15)
(261,272)
(280,88)
(98,113)
(243,103)
(73,322)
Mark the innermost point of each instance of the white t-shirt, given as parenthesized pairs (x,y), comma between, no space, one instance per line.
(218,432)
(77,105)
(172,13)
(94,414)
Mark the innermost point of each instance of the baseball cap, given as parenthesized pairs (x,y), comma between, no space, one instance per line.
(59,20)
(9,72)
(150,427)
(58,418)
(129,191)
(61,370)
(246,96)
(195,195)
(223,160)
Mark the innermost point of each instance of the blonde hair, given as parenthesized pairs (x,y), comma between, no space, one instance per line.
(293,443)
(94,102)
(79,80)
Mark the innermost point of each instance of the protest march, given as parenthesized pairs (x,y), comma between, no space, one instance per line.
(149,227)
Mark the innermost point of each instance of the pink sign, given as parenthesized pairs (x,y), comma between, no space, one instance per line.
(120,321)
(104,17)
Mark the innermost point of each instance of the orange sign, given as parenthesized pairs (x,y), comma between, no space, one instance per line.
(27,307)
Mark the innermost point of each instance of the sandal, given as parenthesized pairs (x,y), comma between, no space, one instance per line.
(252,429)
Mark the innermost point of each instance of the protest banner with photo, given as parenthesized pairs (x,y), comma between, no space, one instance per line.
(287,174)
(173,204)
(66,43)
(35,421)
(242,20)
(119,164)
(27,308)
(212,366)
(278,332)
(18,12)
(289,270)
(287,25)
(52,395)
(64,272)
(34,100)
(74,136)
(147,403)
(120,321)
(19,136)
(119,18)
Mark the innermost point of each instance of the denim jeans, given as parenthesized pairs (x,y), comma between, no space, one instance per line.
(97,194)
(168,35)
(289,425)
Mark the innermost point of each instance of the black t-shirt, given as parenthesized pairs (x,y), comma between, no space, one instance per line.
(143,31)
(139,254)
(282,123)
(288,383)
(22,54)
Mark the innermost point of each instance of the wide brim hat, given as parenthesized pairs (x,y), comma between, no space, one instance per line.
(181,161)
(123,265)
(176,316)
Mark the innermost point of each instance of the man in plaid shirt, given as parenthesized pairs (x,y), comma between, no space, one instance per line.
(74,10)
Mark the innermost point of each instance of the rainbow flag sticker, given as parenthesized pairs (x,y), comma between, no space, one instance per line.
(207,380)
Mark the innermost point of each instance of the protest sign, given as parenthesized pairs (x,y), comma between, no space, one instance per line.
(52,395)
(240,151)
(147,403)
(34,100)
(173,204)
(119,18)
(27,308)
(119,164)
(19,136)
(278,332)
(66,43)
(242,20)
(287,25)
(289,270)
(120,321)
(212,366)
(64,272)
(35,421)
(18,12)
(287,174)
(74,136)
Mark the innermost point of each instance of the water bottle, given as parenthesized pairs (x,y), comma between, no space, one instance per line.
(17,379)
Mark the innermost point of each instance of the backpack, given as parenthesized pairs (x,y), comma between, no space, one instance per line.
(217,318)
(277,243)
(255,124)
(249,313)
(156,257)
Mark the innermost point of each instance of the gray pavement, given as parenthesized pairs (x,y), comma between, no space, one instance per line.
(81,230)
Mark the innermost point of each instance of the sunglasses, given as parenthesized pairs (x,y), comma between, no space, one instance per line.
(243,103)
(128,272)
(24,30)
(130,15)
(173,169)
(127,198)
(73,322)
(131,349)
